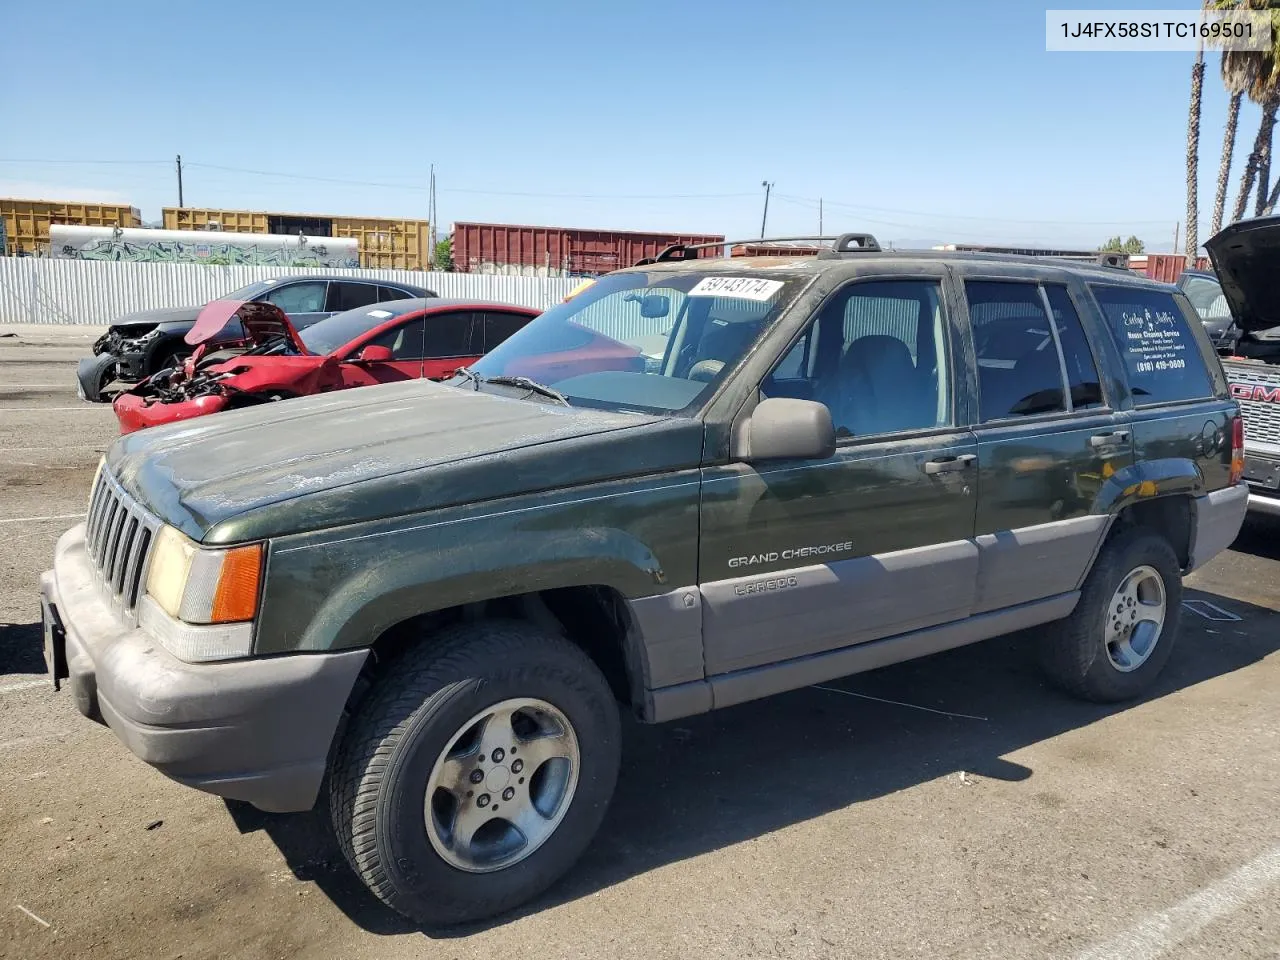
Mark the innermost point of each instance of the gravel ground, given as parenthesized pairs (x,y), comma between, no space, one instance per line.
(952,807)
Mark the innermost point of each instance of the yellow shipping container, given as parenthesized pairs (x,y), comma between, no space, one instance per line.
(26,222)
(384,242)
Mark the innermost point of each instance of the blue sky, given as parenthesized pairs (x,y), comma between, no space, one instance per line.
(922,123)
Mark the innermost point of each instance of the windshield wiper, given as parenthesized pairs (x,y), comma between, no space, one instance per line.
(529,384)
(468,374)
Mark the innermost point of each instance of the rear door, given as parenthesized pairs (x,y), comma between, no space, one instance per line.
(1048,438)
(350,294)
(454,338)
(499,325)
(1181,424)
(802,557)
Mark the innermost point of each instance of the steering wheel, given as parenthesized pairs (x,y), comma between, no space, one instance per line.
(705,371)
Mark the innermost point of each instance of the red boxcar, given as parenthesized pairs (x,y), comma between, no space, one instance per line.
(1166,267)
(478,247)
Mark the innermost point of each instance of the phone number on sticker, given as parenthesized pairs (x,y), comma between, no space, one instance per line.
(1147,366)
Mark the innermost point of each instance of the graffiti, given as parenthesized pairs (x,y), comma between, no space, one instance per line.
(212,251)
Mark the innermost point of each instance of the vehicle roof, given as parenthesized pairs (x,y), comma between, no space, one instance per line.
(443,303)
(399,285)
(854,263)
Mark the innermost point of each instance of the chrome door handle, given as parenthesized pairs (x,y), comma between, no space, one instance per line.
(1107,439)
(950,464)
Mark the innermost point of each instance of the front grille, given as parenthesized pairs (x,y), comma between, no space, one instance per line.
(118,538)
(1261,417)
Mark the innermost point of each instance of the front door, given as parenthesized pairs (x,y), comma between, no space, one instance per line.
(799,557)
(405,343)
(303,300)
(1048,440)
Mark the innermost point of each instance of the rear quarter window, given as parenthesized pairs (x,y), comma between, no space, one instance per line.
(1163,359)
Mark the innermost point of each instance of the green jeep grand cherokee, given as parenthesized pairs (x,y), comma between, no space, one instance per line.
(698,482)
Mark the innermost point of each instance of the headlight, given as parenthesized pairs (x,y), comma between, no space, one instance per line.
(201,586)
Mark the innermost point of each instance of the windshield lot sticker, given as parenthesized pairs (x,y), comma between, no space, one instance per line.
(741,288)
(1153,341)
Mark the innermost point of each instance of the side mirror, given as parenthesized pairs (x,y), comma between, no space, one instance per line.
(654,305)
(781,428)
(375,353)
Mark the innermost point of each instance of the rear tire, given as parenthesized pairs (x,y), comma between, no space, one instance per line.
(1110,648)
(397,825)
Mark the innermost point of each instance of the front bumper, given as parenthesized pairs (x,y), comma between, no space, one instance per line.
(135,413)
(94,373)
(257,730)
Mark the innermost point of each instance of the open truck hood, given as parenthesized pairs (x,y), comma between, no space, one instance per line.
(262,323)
(1246,256)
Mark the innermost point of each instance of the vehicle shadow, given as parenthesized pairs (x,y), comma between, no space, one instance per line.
(1259,537)
(700,784)
(21,649)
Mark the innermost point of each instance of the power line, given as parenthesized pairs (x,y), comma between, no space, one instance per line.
(813,202)
(463,190)
(82,162)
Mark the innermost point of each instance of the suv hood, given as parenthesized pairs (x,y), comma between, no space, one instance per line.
(357,455)
(261,322)
(150,318)
(1246,256)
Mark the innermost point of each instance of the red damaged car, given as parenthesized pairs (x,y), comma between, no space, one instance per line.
(269,359)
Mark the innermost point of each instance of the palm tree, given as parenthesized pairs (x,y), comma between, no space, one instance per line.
(1239,67)
(1261,82)
(1193,155)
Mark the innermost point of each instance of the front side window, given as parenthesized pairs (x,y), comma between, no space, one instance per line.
(404,341)
(299,297)
(340,330)
(876,355)
(1019,374)
(1161,355)
(657,342)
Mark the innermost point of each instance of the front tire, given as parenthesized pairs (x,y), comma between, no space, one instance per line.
(476,771)
(1121,634)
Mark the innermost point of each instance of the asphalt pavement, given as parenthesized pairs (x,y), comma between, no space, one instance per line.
(954,807)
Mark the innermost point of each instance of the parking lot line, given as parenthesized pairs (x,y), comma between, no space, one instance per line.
(54,516)
(899,703)
(25,685)
(1161,931)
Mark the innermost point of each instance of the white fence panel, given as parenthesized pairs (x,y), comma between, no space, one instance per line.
(38,290)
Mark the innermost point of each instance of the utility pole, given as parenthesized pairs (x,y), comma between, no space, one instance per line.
(819,216)
(180,203)
(765,219)
(431,219)
(1176,227)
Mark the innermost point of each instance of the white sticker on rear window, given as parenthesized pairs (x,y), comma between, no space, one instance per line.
(741,288)
(380,314)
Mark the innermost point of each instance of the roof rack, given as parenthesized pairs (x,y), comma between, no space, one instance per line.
(840,245)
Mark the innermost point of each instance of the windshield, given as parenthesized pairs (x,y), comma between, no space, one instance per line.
(652,342)
(1205,294)
(250,292)
(326,336)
